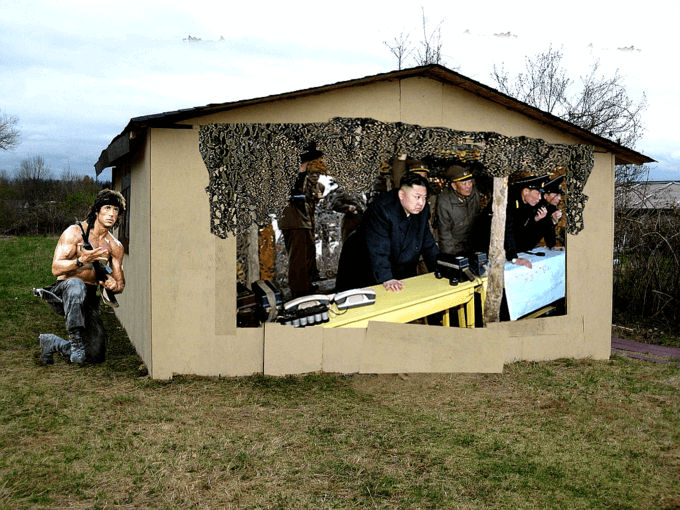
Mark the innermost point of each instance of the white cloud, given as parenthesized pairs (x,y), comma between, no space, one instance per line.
(76,72)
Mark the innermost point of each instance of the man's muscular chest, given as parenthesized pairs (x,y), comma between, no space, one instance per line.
(102,243)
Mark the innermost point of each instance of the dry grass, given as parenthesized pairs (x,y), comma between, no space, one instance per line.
(563,434)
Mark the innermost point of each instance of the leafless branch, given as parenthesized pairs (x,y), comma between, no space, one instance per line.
(604,108)
(430,51)
(33,168)
(599,104)
(9,133)
(401,48)
(544,85)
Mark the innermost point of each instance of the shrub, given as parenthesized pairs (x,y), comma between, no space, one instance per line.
(647,275)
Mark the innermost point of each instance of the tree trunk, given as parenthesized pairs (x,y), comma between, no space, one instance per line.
(496,281)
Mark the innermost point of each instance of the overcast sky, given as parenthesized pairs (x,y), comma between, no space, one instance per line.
(76,72)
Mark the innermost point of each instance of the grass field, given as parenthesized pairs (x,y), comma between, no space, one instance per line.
(562,434)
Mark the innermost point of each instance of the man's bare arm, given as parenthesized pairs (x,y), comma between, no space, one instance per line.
(69,251)
(116,281)
(64,260)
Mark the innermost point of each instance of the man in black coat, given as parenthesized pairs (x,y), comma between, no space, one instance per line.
(520,220)
(546,217)
(393,234)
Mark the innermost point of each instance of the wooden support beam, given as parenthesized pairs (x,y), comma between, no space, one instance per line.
(253,254)
(496,282)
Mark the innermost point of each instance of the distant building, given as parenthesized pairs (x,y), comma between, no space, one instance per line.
(646,195)
(649,204)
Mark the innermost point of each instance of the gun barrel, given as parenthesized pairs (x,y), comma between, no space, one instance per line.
(101,270)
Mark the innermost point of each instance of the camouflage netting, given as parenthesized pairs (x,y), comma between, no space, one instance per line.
(253,166)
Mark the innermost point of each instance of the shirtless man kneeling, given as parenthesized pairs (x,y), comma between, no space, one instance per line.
(74,295)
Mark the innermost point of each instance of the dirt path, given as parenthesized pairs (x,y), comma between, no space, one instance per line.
(632,349)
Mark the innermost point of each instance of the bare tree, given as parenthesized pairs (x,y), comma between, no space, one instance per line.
(70,179)
(603,107)
(626,176)
(68,174)
(544,85)
(401,49)
(599,104)
(428,52)
(33,168)
(9,133)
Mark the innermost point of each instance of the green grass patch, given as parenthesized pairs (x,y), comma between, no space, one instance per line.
(562,434)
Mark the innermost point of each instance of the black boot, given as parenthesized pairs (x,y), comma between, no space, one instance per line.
(51,344)
(77,347)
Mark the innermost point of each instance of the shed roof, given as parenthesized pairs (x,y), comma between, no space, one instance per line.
(120,145)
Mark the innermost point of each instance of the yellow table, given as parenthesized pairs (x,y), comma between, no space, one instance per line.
(422,295)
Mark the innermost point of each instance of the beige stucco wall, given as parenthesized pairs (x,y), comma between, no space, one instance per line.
(192,272)
(134,312)
(590,276)
(183,256)
(379,101)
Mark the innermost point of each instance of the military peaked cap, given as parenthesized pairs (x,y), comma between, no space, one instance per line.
(554,185)
(415,165)
(533,182)
(458,173)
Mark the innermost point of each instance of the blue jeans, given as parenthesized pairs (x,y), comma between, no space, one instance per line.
(79,303)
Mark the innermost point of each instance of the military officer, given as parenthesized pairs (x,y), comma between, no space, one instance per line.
(520,221)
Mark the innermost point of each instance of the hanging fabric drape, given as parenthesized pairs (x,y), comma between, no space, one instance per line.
(252,167)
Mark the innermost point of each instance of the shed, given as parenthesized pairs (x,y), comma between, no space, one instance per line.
(179,305)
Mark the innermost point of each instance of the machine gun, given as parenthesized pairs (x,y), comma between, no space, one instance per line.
(101,270)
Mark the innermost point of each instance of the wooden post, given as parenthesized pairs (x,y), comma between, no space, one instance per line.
(267,253)
(496,281)
(253,258)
